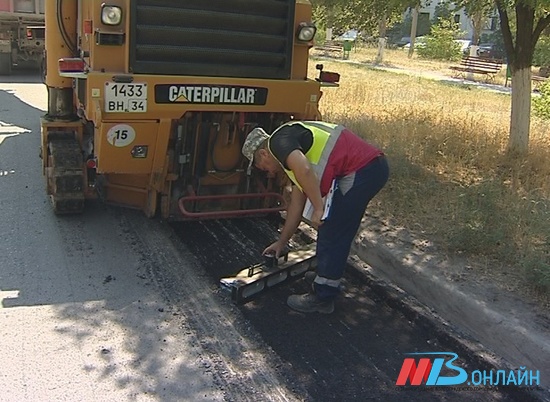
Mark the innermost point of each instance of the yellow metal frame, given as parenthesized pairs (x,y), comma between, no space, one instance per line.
(137,182)
(296,97)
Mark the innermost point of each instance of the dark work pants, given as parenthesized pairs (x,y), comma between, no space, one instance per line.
(336,234)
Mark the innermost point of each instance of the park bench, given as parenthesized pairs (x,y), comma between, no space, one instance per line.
(538,81)
(335,49)
(477,65)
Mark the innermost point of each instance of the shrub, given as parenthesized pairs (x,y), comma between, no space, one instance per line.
(441,44)
(541,104)
(542,52)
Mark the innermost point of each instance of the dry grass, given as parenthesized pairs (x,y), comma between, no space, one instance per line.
(451,178)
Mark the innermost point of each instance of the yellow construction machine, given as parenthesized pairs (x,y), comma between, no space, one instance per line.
(149,101)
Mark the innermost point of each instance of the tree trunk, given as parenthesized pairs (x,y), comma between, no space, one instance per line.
(330,24)
(328,36)
(477,24)
(382,40)
(518,142)
(413,30)
(520,59)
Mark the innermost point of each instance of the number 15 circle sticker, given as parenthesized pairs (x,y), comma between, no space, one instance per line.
(121,135)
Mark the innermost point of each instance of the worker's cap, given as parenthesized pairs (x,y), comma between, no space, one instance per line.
(252,142)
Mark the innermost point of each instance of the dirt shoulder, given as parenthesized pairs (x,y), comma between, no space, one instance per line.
(475,298)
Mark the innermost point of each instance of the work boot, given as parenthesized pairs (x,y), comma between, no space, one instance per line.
(309,303)
(309,277)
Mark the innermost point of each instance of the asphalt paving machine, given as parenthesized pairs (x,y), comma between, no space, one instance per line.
(149,102)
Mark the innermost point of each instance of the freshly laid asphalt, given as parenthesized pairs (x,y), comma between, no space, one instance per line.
(356,353)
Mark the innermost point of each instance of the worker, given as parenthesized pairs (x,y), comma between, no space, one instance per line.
(320,159)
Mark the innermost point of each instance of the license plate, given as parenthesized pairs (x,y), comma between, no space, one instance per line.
(125,98)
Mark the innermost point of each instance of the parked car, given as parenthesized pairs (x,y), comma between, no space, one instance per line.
(403,41)
(464,45)
(490,51)
(350,35)
(419,42)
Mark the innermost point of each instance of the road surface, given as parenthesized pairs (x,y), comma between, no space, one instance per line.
(112,306)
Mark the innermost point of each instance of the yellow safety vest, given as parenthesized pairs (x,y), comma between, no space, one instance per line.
(325,136)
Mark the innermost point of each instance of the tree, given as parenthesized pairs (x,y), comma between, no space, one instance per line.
(532,17)
(345,15)
(371,17)
(387,12)
(440,43)
(364,15)
(478,11)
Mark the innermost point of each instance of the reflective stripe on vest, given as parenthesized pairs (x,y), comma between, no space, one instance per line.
(325,136)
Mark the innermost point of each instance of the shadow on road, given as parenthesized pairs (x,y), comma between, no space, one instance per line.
(99,317)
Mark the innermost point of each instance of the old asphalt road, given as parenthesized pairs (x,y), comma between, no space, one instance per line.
(111,306)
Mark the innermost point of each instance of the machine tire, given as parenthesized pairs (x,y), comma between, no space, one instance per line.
(5,63)
(65,176)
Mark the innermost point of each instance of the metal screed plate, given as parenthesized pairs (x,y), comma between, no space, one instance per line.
(257,278)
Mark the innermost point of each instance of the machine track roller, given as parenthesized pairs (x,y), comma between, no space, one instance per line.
(65,174)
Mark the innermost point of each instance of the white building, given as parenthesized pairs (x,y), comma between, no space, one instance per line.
(460,17)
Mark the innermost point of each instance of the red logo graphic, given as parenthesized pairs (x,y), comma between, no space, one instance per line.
(415,374)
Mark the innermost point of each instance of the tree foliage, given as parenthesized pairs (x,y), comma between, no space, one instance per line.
(530,23)
(478,11)
(363,15)
(520,38)
(532,18)
(441,44)
(521,21)
(541,57)
(541,104)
